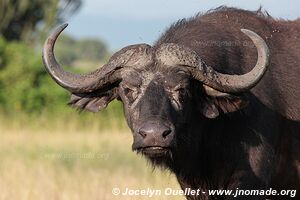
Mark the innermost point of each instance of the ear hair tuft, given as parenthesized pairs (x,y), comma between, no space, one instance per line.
(93,102)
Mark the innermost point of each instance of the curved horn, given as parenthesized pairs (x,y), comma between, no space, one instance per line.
(238,83)
(170,54)
(97,79)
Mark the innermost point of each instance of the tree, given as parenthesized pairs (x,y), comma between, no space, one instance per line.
(28,19)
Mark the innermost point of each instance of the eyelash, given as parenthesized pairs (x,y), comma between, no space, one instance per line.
(182,92)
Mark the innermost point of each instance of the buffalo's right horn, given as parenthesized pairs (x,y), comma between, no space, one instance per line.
(237,83)
(104,76)
(174,54)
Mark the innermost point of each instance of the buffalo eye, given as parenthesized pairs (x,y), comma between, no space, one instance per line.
(181,91)
(178,95)
(130,93)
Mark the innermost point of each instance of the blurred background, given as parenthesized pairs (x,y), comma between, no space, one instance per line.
(50,151)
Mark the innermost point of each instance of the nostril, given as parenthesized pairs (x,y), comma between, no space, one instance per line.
(143,133)
(166,133)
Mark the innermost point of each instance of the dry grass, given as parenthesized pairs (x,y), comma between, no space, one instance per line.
(63,165)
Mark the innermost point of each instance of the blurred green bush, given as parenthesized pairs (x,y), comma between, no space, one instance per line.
(24,84)
(28,96)
(27,92)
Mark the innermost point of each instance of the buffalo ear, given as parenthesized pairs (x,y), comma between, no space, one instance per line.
(231,103)
(209,110)
(212,107)
(93,102)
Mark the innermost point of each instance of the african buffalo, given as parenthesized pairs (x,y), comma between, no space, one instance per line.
(216,100)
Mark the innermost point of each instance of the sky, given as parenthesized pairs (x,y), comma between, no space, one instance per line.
(124,22)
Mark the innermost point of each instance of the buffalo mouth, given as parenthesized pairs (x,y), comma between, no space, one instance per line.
(154,151)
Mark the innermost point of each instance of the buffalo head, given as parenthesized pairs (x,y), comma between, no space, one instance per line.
(160,87)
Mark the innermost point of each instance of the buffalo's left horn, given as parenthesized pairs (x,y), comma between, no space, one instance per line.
(237,83)
(98,79)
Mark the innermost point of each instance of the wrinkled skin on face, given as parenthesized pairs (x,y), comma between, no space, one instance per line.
(156,104)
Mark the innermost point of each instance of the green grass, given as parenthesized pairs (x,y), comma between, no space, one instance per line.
(72,164)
